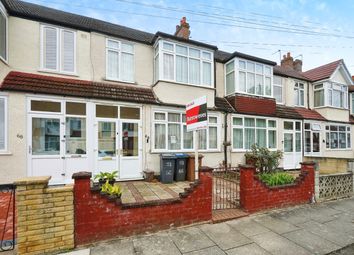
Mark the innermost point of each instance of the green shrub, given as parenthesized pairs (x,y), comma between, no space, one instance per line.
(277,178)
(263,159)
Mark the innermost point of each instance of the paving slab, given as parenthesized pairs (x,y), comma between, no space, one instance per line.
(208,251)
(323,213)
(295,216)
(276,225)
(248,249)
(118,247)
(247,227)
(157,244)
(341,225)
(314,243)
(224,235)
(344,205)
(278,245)
(190,239)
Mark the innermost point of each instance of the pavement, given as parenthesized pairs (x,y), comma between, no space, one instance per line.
(325,228)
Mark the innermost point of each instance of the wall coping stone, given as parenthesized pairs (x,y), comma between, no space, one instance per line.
(32,180)
(57,189)
(308,163)
(82,175)
(205,169)
(245,166)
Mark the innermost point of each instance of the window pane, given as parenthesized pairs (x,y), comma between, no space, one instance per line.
(268,86)
(187,138)
(202,139)
(113,64)
(242,81)
(259,68)
(272,123)
(237,138)
(334,140)
(130,139)
(45,106)
(75,108)
(2,124)
(262,137)
(349,145)
(308,141)
(278,93)
(337,98)
(194,71)
(250,83)
(213,120)
(181,69)
(237,121)
(230,83)
(168,46)
(298,142)
(113,44)
(242,64)
(302,98)
(249,138)
(106,111)
(267,71)
(129,48)
(68,51)
(316,142)
(160,136)
(272,139)
(174,136)
(261,123)
(129,113)
(288,125)
(157,68)
(288,143)
(249,122)
(206,73)
(45,136)
(230,67)
(50,48)
(160,116)
(319,98)
(250,67)
(75,135)
(181,50)
(213,141)
(206,55)
(342,140)
(168,66)
(127,71)
(259,84)
(194,53)
(174,117)
(106,139)
(298,125)
(3,36)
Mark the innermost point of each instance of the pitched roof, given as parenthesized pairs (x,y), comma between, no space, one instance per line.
(283,71)
(223,105)
(309,114)
(322,72)
(42,84)
(287,112)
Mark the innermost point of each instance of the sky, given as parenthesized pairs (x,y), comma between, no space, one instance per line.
(316,31)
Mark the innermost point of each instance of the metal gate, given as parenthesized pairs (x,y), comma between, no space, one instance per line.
(226,186)
(7,217)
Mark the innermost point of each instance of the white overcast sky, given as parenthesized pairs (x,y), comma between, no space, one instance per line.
(317,31)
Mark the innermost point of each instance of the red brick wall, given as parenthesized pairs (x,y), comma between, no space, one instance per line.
(253,105)
(97,219)
(256,195)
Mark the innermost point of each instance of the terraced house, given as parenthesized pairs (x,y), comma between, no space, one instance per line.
(80,94)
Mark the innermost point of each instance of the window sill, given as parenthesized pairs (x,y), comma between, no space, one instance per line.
(185,84)
(332,107)
(57,72)
(249,94)
(5,153)
(121,81)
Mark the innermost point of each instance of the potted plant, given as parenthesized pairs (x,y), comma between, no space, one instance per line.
(101,177)
(112,190)
(111,177)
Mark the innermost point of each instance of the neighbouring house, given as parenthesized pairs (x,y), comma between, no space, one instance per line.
(80,94)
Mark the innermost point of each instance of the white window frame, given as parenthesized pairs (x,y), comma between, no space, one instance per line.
(159,52)
(3,11)
(267,128)
(237,70)
(6,124)
(182,124)
(280,86)
(328,90)
(328,136)
(119,51)
(297,90)
(312,130)
(59,31)
(352,103)
(324,94)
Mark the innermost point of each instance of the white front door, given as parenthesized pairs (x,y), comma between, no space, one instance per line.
(292,144)
(46,147)
(130,150)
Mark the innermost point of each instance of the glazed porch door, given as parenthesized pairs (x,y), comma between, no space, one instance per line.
(292,144)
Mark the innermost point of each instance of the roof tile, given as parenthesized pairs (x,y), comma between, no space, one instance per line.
(322,72)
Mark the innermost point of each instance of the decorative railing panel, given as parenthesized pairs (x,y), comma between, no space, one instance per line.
(336,186)
(226,188)
(7,217)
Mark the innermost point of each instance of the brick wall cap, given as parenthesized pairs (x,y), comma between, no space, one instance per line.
(245,166)
(308,163)
(206,169)
(193,156)
(33,180)
(59,189)
(82,175)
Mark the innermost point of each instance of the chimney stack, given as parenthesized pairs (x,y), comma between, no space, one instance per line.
(289,63)
(182,30)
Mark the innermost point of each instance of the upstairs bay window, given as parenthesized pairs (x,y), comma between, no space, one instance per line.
(299,94)
(3,33)
(120,61)
(183,64)
(338,137)
(58,49)
(331,94)
(248,77)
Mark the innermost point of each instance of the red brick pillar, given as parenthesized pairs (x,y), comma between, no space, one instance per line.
(308,169)
(247,173)
(206,179)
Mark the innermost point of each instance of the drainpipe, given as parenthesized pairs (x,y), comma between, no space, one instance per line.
(225,139)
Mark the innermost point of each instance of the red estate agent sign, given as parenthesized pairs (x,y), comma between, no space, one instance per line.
(196,114)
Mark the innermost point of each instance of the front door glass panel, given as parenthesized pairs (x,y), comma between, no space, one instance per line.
(288,143)
(75,135)
(130,139)
(45,136)
(106,139)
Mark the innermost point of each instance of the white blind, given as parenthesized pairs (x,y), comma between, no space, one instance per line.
(2,36)
(68,51)
(112,64)
(168,66)
(50,52)
(127,67)
(2,123)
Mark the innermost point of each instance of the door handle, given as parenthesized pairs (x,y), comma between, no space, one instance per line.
(30,149)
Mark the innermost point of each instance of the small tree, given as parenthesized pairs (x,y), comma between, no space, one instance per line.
(263,159)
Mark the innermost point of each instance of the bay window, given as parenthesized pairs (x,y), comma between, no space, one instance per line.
(247,131)
(248,77)
(183,64)
(58,49)
(170,133)
(119,61)
(3,123)
(331,94)
(3,33)
(299,99)
(338,137)
(278,89)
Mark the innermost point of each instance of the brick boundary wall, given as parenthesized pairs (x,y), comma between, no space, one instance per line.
(256,195)
(45,216)
(97,218)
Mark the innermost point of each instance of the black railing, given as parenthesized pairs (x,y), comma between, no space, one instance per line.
(7,217)
(226,185)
